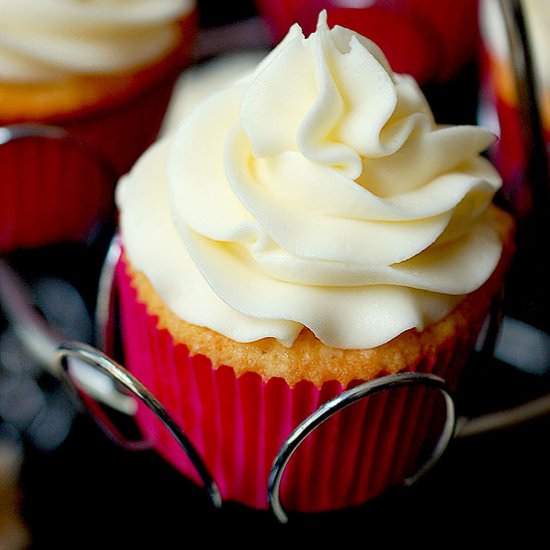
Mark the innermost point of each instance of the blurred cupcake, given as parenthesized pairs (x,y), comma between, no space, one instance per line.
(499,95)
(285,243)
(103,70)
(202,79)
(99,72)
(14,534)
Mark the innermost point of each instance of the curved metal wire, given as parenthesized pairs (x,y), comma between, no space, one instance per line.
(18,305)
(16,131)
(41,340)
(31,328)
(99,361)
(345,399)
(105,302)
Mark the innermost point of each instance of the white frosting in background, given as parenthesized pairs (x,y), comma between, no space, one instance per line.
(537,16)
(317,192)
(41,40)
(202,79)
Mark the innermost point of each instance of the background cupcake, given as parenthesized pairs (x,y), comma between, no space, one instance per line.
(500,107)
(103,72)
(307,245)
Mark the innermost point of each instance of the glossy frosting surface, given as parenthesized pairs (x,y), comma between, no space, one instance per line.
(317,192)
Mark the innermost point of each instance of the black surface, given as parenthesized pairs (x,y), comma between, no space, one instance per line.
(92,491)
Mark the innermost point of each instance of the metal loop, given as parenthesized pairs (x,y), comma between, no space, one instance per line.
(103,364)
(106,297)
(13,132)
(41,340)
(345,399)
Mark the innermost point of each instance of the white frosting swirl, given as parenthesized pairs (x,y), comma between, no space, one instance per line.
(317,192)
(42,40)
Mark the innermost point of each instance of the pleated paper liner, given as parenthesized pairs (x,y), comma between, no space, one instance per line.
(238,424)
(54,188)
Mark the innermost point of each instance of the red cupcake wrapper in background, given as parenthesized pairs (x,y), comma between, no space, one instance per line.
(238,424)
(58,188)
(54,188)
(123,132)
(59,191)
(430,39)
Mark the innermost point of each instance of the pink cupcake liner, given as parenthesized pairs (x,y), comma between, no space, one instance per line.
(238,424)
(54,188)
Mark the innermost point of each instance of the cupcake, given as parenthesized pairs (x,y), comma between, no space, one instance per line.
(499,95)
(285,243)
(102,70)
(103,73)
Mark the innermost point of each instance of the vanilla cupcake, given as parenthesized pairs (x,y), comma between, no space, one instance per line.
(102,71)
(499,95)
(307,228)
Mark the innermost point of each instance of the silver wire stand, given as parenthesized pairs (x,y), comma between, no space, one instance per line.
(104,330)
(106,366)
(345,399)
(67,360)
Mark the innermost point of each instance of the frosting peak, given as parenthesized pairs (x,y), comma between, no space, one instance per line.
(317,192)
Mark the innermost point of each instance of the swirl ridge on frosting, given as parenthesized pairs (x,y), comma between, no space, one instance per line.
(316,192)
